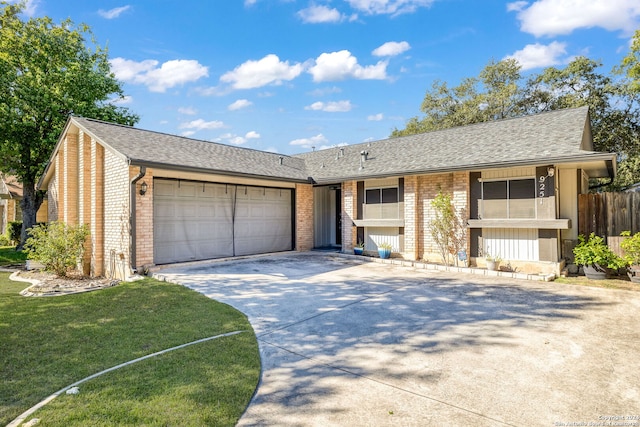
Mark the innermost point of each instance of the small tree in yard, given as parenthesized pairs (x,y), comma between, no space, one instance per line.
(57,246)
(447,228)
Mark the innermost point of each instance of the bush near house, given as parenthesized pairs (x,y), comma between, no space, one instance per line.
(58,246)
(14,228)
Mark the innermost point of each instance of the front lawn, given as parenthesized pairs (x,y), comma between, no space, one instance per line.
(9,256)
(611,283)
(48,343)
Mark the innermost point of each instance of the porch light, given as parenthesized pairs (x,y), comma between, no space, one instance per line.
(551,171)
(143,188)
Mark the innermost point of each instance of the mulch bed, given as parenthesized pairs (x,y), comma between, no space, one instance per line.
(48,284)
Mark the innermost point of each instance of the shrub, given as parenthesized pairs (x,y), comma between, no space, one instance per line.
(14,229)
(57,246)
(631,248)
(447,228)
(593,251)
(4,240)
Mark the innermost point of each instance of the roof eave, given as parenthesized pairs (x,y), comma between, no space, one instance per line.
(609,158)
(182,168)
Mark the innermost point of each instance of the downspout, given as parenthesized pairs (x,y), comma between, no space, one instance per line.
(132,217)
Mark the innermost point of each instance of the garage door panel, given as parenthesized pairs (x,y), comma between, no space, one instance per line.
(196,220)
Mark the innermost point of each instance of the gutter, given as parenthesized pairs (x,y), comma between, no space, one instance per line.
(132,217)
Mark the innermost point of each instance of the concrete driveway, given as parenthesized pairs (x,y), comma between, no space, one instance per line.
(345,342)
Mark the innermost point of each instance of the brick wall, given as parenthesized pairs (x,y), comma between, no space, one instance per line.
(53,195)
(144,218)
(349,212)
(97,209)
(461,199)
(70,182)
(304,217)
(116,216)
(429,186)
(412,216)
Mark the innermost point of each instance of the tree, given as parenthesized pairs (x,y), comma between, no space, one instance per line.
(492,95)
(500,92)
(47,72)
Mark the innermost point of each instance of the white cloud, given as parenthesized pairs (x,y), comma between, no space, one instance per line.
(113,13)
(391,49)
(231,138)
(158,79)
(200,124)
(342,65)
(325,91)
(126,99)
(249,3)
(517,6)
(389,7)
(539,55)
(555,17)
(239,104)
(375,117)
(268,70)
(315,141)
(188,133)
(189,111)
(30,7)
(320,14)
(330,107)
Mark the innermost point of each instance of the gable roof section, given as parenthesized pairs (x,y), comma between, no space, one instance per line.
(553,137)
(160,150)
(10,188)
(562,136)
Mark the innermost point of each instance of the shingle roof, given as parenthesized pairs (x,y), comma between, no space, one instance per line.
(143,147)
(538,139)
(553,137)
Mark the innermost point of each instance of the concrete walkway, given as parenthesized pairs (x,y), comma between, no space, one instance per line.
(350,343)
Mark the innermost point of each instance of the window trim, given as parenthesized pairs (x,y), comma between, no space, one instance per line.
(506,180)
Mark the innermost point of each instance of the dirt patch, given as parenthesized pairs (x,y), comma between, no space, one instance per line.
(48,284)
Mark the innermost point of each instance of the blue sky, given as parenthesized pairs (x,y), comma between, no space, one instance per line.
(288,75)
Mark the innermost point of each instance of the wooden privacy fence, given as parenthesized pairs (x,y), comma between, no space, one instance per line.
(608,214)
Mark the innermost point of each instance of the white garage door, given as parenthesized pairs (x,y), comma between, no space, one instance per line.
(198,220)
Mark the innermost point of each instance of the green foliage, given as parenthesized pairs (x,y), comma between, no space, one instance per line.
(593,251)
(13,231)
(47,72)
(4,240)
(57,246)
(447,228)
(10,256)
(385,246)
(360,244)
(49,343)
(500,92)
(631,248)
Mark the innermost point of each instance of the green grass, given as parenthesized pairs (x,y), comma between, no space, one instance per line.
(9,256)
(49,343)
(614,283)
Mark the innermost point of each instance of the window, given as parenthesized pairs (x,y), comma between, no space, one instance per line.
(381,195)
(513,198)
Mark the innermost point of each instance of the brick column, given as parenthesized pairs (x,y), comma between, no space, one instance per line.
(144,218)
(411,219)
(97,209)
(84,194)
(461,200)
(349,212)
(304,217)
(60,183)
(70,192)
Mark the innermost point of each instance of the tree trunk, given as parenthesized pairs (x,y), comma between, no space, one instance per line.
(31,202)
